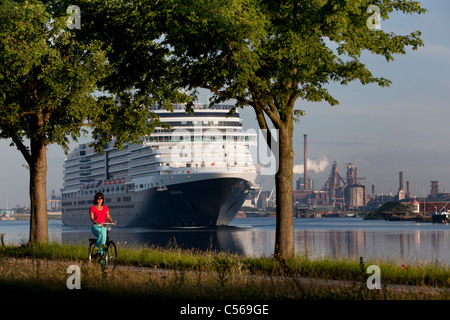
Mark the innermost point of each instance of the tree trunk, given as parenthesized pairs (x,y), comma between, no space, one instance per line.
(284,239)
(38,191)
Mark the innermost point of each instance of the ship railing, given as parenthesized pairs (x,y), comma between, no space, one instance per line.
(197,106)
(194,170)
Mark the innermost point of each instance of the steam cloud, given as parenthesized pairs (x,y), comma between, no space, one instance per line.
(313,165)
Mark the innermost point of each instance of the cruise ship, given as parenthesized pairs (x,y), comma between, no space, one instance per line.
(197,172)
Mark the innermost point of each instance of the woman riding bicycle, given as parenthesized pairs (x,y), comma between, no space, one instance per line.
(99,214)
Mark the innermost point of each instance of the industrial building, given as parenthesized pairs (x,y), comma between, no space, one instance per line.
(347,193)
(338,192)
(301,184)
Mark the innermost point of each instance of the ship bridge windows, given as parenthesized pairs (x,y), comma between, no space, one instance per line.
(197,107)
(208,123)
(199,114)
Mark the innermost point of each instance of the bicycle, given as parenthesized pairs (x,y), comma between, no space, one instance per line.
(109,256)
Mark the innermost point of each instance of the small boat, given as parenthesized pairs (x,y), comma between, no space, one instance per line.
(440,217)
(6,217)
(352,215)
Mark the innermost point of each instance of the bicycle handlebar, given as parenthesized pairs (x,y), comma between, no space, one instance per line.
(108,223)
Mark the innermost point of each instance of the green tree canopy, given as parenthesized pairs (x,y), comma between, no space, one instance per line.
(57,82)
(271,54)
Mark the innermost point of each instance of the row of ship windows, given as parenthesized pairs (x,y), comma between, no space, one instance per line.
(82,202)
(197,106)
(199,114)
(75,162)
(208,138)
(207,123)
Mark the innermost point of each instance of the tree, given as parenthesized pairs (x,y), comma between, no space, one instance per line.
(45,82)
(48,76)
(270,54)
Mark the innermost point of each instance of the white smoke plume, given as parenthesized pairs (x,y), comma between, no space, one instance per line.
(313,165)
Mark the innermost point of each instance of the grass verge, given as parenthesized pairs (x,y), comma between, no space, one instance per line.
(174,273)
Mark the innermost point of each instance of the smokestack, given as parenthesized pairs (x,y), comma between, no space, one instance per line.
(434,189)
(401,192)
(408,195)
(305,171)
(373,191)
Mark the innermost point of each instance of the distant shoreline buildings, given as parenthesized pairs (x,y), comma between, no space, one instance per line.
(350,194)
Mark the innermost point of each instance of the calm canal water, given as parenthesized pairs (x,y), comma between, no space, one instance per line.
(331,237)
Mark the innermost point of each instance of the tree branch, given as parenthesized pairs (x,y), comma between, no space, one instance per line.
(20,146)
(260,117)
(224,95)
(272,112)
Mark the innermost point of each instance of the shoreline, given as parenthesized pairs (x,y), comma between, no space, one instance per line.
(26,216)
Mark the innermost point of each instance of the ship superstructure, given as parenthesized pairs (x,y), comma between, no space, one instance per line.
(196,173)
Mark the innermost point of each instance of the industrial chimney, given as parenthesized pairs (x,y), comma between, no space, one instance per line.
(305,171)
(408,193)
(434,189)
(401,192)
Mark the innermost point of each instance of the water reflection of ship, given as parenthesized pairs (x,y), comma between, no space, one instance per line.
(227,239)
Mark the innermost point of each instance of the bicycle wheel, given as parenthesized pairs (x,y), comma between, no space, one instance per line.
(111,254)
(91,250)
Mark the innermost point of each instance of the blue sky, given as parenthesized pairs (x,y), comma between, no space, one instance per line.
(380,130)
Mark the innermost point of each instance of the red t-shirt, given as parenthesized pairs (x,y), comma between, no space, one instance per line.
(100,215)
